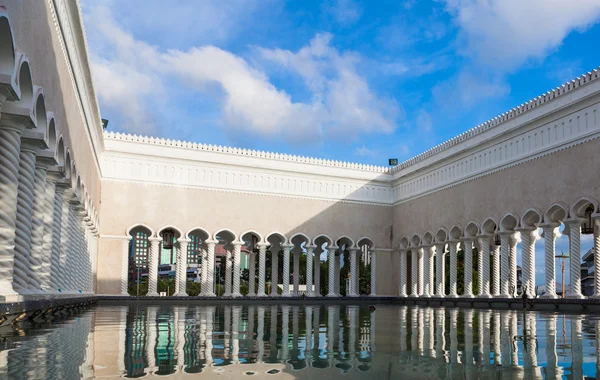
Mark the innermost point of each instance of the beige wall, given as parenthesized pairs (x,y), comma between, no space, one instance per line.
(564,176)
(35,35)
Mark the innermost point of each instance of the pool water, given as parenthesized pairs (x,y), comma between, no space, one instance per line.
(303,342)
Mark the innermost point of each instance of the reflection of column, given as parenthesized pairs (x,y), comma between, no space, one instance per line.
(181,275)
(226,331)
(295,329)
(453,336)
(317,270)
(202,328)
(575,260)
(514,354)
(468,359)
(484,266)
(496,272)
(237,253)
(353,280)
(421,336)
(274,271)
(151,343)
(124,264)
(372,329)
(505,341)
(285,332)
(550,234)
(235,334)
(403,276)
(260,334)
(530,350)
(210,268)
(453,269)
(317,329)
(597,329)
(528,260)
(308,331)
(414,331)
(429,333)
(331,264)
(485,317)
(373,272)
(210,316)
(497,338)
(251,274)
(353,314)
(309,269)
(273,333)
(330,332)
(577,347)
(468,284)
(262,262)
(440,333)
(296,275)
(228,262)
(286,269)
(179,321)
(551,366)
(153,265)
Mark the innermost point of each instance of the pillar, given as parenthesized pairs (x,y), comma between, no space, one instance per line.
(317,270)
(228,268)
(153,265)
(286,269)
(596,249)
(309,270)
(58,236)
(550,234)
(440,276)
(483,266)
(125,242)
(468,285)
(420,279)
(453,269)
(403,276)
(237,253)
(338,259)
(504,265)
(252,274)
(373,272)
(49,262)
(496,272)
(181,268)
(262,263)
(414,276)
(274,272)
(575,260)
(331,265)
(528,238)
(296,275)
(38,258)
(209,290)
(427,257)
(512,273)
(431,271)
(353,273)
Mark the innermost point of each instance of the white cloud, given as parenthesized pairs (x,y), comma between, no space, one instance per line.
(504,34)
(345,12)
(363,151)
(466,89)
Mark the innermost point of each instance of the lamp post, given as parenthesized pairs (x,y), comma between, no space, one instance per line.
(562,256)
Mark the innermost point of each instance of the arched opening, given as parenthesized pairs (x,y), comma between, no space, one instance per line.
(298,264)
(275,240)
(470,260)
(554,224)
(197,251)
(342,273)
(167,259)
(40,113)
(7,49)
(584,211)
(363,265)
(51,136)
(321,267)
(139,250)
(249,259)
(25,84)
(223,262)
(60,154)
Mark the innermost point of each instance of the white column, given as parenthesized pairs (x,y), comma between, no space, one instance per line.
(440,276)
(528,254)
(126,241)
(353,279)
(420,279)
(228,268)
(596,249)
(484,266)
(550,234)
(317,270)
(262,263)
(427,257)
(468,268)
(309,269)
(496,269)
(431,271)
(296,274)
(286,270)
(453,269)
(153,265)
(58,236)
(575,260)
(512,249)
(414,266)
(209,291)
(331,265)
(181,268)
(237,253)
(38,258)
(505,265)
(373,272)
(403,276)
(274,271)
(252,274)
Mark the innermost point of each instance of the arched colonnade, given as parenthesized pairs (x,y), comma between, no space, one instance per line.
(497,242)
(142,244)
(48,224)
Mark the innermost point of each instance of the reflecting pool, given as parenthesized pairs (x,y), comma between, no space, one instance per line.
(303,342)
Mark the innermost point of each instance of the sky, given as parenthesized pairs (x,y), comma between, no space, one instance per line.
(359,81)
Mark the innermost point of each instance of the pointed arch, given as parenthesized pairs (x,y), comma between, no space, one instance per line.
(472,229)
(404,242)
(137,226)
(456,232)
(278,235)
(24,81)
(365,241)
(198,231)
(7,46)
(579,207)
(489,226)
(51,134)
(532,217)
(441,236)
(415,241)
(509,222)
(428,238)
(252,232)
(41,120)
(556,213)
(322,238)
(178,232)
(60,152)
(344,239)
(299,236)
(226,231)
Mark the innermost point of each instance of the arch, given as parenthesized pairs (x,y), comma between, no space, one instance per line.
(225,230)
(138,225)
(404,243)
(345,239)
(178,233)
(441,236)
(276,234)
(456,232)
(428,238)
(298,238)
(24,81)
(196,230)
(7,46)
(51,133)
(260,238)
(60,152)
(579,207)
(489,226)
(415,241)
(532,217)
(472,229)
(40,110)
(509,222)
(78,187)
(556,213)
(323,238)
(365,241)
(68,165)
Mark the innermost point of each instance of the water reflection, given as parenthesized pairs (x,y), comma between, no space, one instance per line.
(294,341)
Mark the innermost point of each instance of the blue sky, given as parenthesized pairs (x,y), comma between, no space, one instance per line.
(340,79)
